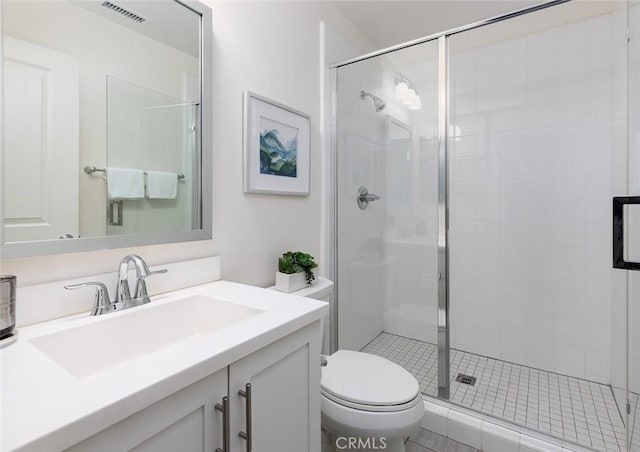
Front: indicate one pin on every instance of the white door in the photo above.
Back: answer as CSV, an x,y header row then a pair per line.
x,y
40,142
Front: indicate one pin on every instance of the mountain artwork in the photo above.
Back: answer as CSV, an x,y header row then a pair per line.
x,y
278,148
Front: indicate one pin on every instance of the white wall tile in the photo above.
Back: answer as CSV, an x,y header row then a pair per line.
x,y
489,56
540,44
513,50
540,67
571,62
553,112
570,37
570,359
597,364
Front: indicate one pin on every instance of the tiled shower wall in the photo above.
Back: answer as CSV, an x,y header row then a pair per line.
x,y
536,120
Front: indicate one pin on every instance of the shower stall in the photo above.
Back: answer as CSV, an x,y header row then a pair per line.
x,y
476,171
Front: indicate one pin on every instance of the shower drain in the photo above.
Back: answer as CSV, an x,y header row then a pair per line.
x,y
466,379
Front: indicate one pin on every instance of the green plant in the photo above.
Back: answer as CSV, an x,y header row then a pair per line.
x,y
297,262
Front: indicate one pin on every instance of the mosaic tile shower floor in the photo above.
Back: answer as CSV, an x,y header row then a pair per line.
x,y
577,410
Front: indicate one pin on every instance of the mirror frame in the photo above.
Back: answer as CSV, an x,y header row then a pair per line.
x,y
77,245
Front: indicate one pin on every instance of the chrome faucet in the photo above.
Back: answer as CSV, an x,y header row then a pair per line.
x,y
104,305
123,292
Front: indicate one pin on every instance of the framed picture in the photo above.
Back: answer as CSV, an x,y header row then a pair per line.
x,y
276,148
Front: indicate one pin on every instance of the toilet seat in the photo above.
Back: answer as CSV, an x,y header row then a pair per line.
x,y
369,383
373,408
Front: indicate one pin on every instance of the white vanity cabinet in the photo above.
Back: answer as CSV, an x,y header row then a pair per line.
x,y
280,412
285,395
185,421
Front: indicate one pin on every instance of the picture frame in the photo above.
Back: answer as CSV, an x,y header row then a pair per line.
x,y
276,155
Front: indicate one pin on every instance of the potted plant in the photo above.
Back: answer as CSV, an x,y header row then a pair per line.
x,y
294,271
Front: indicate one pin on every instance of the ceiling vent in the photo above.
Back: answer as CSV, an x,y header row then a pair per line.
x,y
124,12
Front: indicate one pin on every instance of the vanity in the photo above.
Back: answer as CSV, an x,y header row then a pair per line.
x,y
215,367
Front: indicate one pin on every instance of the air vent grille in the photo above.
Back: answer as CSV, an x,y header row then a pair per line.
x,y
126,13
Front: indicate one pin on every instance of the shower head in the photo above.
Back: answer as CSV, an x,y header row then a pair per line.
x,y
378,103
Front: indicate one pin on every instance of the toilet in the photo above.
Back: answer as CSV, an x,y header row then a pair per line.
x,y
368,403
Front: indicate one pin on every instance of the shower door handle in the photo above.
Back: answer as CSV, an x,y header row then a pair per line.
x,y
618,232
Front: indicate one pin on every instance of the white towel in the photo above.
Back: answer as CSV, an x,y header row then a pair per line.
x,y
124,183
162,185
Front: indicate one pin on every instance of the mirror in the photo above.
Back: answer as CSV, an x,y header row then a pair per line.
x,y
103,108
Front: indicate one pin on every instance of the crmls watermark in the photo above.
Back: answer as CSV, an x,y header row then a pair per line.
x,y
355,443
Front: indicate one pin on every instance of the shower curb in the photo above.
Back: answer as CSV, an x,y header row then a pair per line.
x,y
487,433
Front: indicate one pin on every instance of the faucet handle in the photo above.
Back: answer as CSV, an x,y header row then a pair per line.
x,y
102,302
141,285
157,272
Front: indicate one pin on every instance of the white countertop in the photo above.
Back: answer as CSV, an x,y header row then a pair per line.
x,y
44,407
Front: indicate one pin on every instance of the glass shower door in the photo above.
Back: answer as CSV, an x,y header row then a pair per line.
x,y
536,152
387,200
631,227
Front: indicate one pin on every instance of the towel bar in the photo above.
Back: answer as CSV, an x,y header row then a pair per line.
x,y
93,169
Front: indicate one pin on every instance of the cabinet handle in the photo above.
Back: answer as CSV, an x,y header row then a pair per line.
x,y
226,428
247,396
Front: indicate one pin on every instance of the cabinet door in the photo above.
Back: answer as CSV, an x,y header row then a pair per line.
x,y
186,421
285,395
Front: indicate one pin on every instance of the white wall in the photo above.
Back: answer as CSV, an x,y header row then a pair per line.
x,y
530,193
272,48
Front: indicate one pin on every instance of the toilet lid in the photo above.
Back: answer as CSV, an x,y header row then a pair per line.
x,y
367,379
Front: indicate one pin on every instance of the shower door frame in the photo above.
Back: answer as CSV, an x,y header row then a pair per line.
x,y
443,179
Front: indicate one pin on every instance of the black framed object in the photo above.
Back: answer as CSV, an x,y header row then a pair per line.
x,y
618,232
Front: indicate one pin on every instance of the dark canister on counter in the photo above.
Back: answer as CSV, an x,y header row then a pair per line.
x,y
7,305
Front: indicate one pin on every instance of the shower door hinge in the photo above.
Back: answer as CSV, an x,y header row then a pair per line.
x,y
628,34
628,407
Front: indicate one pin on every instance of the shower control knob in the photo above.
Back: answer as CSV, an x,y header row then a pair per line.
x,y
364,197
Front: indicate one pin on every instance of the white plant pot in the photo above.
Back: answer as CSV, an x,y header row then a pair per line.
x,y
290,283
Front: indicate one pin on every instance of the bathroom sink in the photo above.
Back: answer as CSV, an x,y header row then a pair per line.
x,y
116,338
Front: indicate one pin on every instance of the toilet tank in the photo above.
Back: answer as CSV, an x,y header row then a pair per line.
x,y
321,289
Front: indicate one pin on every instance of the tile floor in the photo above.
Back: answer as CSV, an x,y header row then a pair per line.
x,y
570,408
